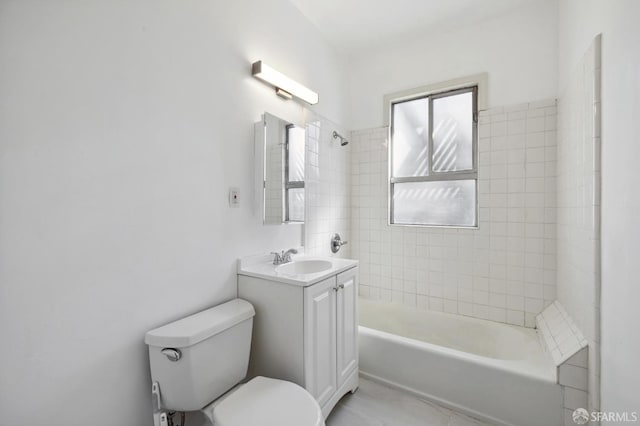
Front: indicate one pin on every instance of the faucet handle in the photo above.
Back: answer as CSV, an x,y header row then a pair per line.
x,y
277,258
337,242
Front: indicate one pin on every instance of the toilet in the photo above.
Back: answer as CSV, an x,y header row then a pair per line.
x,y
198,364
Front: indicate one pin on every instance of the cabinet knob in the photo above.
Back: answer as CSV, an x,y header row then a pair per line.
x,y
341,286
335,288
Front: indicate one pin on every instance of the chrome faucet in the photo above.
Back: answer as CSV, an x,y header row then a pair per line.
x,y
284,257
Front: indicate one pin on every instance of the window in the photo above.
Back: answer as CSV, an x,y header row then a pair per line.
x,y
294,174
433,167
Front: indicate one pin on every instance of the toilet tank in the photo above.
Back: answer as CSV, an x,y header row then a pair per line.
x,y
198,358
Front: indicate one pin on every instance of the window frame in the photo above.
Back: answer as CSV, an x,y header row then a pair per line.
x,y
436,176
289,184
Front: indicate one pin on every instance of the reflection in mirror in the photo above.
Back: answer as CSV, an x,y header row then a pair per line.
x,y
294,174
280,146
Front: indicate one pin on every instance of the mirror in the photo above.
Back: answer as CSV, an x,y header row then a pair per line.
x,y
280,166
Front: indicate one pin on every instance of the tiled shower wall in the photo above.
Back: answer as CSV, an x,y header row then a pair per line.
x,y
504,271
327,188
579,206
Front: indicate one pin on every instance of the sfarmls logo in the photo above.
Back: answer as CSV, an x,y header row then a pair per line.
x,y
582,416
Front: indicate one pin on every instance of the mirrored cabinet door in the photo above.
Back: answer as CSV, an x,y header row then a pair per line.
x,y
280,159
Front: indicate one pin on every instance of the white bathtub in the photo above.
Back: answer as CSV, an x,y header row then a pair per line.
x,y
492,371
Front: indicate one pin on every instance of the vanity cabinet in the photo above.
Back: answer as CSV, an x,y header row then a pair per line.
x,y
306,334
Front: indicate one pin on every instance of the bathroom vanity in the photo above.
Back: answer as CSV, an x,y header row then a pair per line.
x,y
305,328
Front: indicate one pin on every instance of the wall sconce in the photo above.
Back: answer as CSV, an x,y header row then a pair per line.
x,y
285,87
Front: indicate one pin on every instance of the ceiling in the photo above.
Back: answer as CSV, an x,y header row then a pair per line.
x,y
352,25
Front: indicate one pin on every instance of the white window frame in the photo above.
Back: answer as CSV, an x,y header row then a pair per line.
x,y
474,84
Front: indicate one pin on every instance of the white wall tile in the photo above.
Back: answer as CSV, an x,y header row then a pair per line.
x,y
572,376
579,359
328,200
578,182
486,272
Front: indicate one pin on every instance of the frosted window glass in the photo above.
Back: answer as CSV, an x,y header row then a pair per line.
x,y
295,137
296,204
453,133
449,202
411,138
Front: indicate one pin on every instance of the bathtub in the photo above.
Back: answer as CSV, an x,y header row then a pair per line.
x,y
494,372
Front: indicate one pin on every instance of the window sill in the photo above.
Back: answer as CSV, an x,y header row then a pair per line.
x,y
476,227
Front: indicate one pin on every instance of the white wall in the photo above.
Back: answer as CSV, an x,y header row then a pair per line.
x,y
579,22
518,50
122,126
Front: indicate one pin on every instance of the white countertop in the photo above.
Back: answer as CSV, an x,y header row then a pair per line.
x,y
262,266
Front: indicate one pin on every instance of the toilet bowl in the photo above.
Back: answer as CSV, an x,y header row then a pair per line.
x,y
198,363
265,402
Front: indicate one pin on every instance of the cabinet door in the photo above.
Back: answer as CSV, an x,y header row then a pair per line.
x,y
347,324
320,339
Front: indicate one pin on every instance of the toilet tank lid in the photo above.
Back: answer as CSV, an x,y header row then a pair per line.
x,y
200,326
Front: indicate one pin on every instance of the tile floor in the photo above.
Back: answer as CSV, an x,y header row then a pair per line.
x,y
375,404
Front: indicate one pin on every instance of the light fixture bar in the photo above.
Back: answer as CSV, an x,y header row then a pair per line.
x,y
280,81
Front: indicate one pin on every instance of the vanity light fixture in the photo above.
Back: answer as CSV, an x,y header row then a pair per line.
x,y
285,86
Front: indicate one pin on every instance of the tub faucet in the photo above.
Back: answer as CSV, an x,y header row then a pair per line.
x,y
284,257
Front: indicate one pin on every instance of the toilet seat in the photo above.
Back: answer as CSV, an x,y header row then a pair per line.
x,y
268,402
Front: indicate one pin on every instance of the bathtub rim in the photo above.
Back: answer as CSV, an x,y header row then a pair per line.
x,y
493,363
528,333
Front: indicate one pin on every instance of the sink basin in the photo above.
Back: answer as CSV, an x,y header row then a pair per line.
x,y
303,271
303,267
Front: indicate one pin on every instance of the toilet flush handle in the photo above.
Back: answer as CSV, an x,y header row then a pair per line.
x,y
172,354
